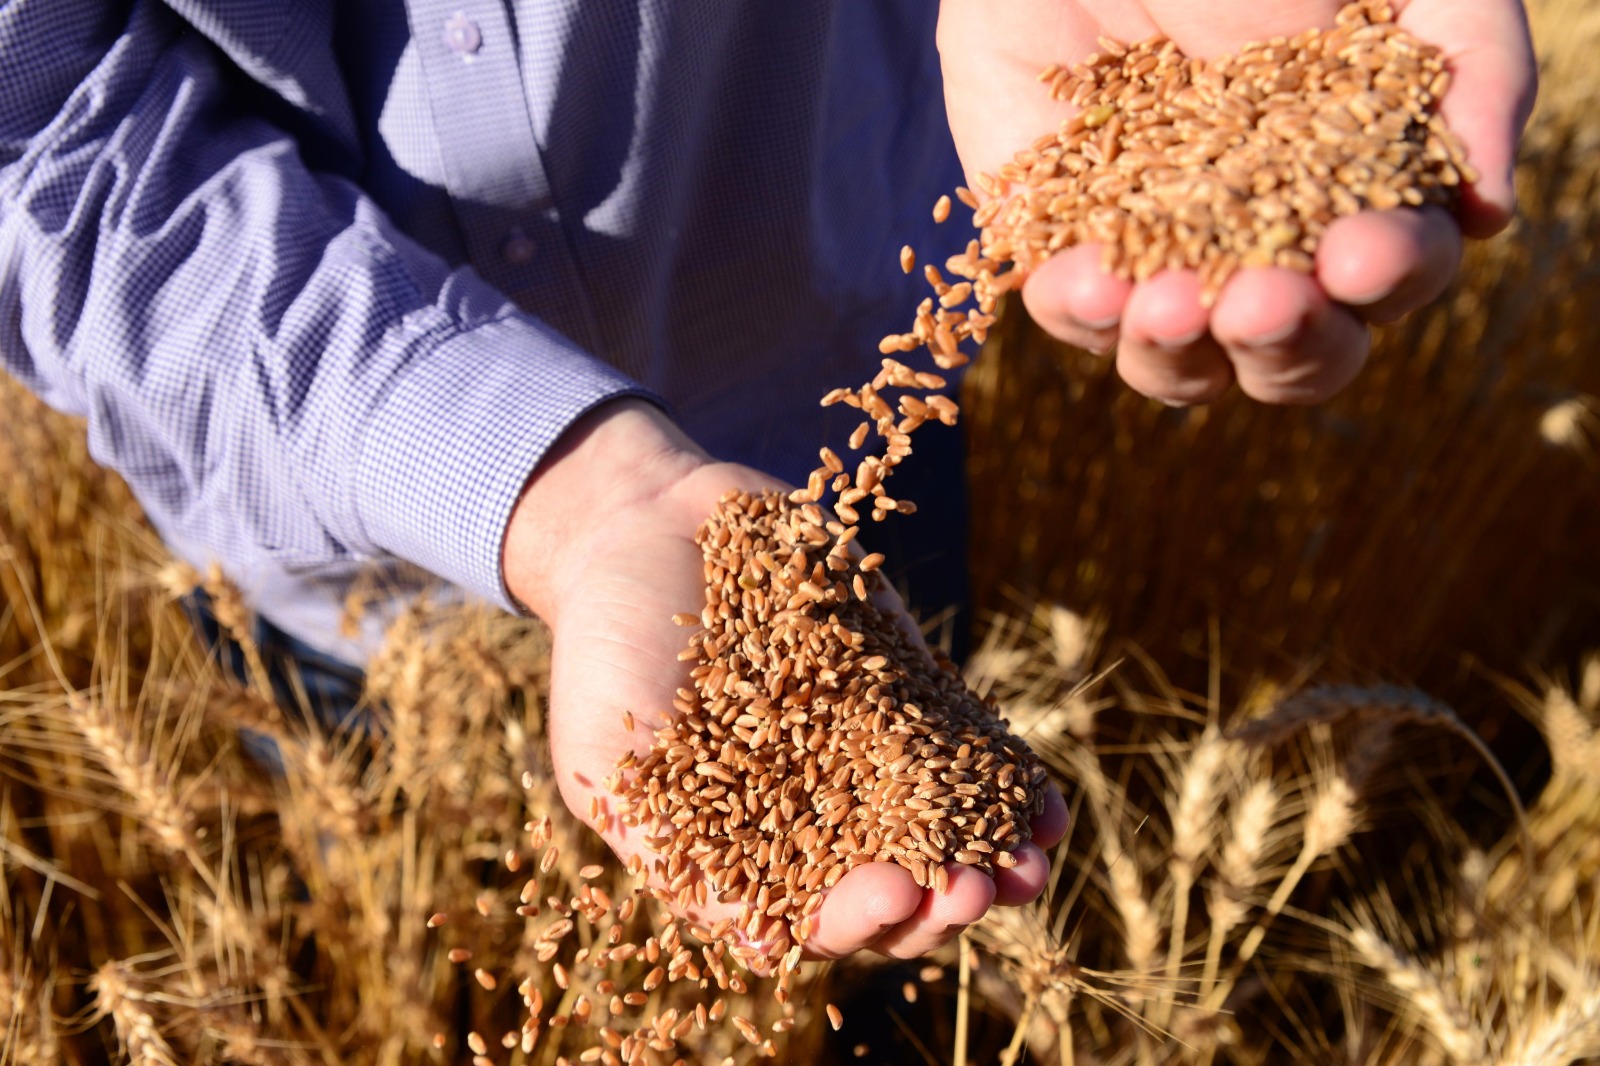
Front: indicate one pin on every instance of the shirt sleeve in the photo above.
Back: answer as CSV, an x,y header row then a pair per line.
x,y
273,367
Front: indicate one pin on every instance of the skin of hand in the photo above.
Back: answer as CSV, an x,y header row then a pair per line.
x,y
601,546
1284,337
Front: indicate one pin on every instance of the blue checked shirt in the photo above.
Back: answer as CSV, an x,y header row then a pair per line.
x,y
328,279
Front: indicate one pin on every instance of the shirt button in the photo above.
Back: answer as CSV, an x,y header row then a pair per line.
x,y
518,247
461,34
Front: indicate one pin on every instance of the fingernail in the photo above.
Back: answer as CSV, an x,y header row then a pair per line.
x,y
1276,338
1362,300
1178,343
1096,325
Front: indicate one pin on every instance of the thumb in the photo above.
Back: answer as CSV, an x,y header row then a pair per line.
x,y
1494,81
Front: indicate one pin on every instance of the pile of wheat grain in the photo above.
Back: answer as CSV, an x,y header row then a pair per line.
x,y
816,734
1173,162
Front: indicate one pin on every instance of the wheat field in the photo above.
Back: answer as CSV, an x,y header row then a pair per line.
x,y
1322,687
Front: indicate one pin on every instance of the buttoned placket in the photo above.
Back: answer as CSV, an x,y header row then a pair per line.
x,y
493,169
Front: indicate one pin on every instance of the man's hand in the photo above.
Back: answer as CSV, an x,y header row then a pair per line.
x,y
1285,337
602,547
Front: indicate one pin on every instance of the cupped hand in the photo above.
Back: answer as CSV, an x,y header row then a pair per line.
x,y
1284,337
622,577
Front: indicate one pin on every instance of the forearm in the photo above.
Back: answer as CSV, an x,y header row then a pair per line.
x,y
272,365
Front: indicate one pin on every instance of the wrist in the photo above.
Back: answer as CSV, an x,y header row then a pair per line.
x,y
622,455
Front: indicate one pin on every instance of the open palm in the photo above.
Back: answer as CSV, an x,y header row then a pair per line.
x,y
616,650
1284,337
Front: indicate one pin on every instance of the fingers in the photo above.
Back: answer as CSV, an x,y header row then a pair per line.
x,y
1075,301
1024,882
1167,352
1494,80
940,916
879,906
1385,264
1276,332
1050,824
1288,343
866,903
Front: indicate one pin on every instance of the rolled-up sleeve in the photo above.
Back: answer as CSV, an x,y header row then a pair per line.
x,y
273,366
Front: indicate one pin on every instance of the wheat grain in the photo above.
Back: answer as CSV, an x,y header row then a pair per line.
x,y
814,736
1242,160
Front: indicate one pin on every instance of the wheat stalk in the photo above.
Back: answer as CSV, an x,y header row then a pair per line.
x,y
1192,811
1568,1035
1329,821
136,1028
1238,869
1424,995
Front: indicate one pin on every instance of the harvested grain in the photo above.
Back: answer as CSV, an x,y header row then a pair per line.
x,y
747,1029
1241,160
833,730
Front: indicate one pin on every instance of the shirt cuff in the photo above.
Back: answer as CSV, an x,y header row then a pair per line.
x,y
447,454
